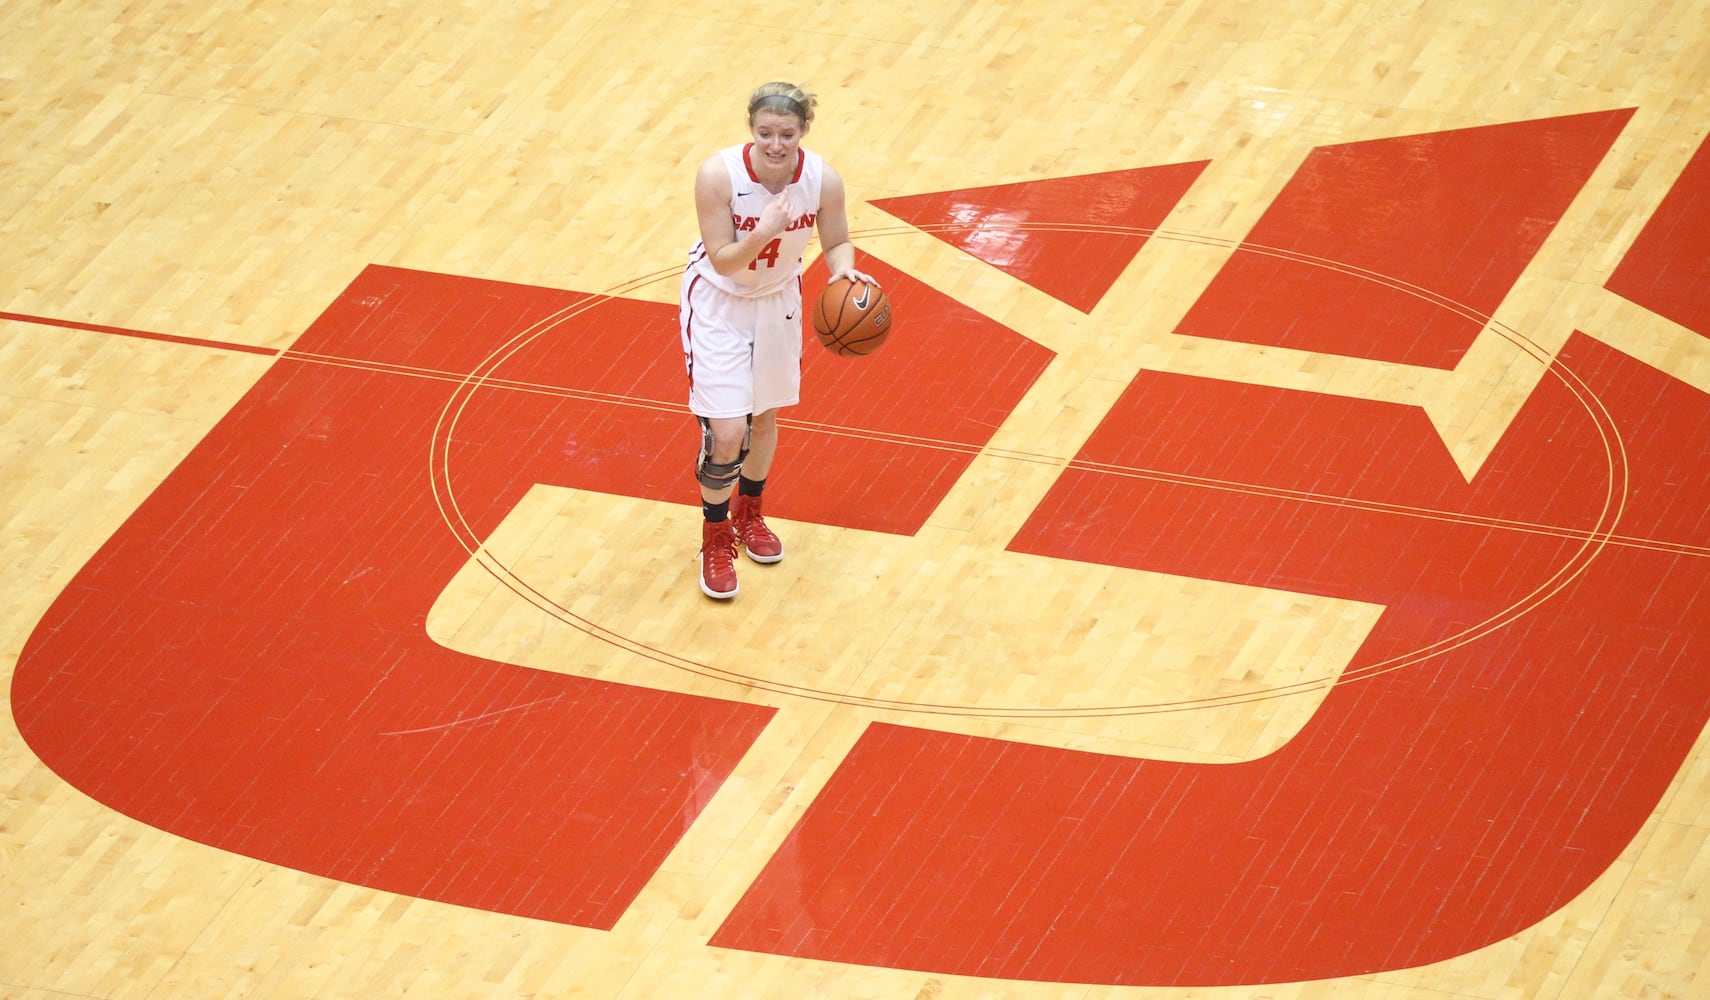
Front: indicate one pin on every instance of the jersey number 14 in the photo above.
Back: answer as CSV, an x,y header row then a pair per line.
x,y
768,253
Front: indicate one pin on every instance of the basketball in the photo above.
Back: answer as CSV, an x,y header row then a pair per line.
x,y
852,318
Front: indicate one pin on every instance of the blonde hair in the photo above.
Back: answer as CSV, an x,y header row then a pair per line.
x,y
784,99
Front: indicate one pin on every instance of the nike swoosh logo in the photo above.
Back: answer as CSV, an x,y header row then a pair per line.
x,y
789,315
866,296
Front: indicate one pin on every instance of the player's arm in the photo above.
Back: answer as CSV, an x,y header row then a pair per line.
x,y
728,253
833,228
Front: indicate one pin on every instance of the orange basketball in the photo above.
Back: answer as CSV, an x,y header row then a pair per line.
x,y
852,318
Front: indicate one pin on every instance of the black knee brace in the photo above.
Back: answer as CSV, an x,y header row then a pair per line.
x,y
720,475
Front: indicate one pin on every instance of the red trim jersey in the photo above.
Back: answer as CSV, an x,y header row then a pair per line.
x,y
780,261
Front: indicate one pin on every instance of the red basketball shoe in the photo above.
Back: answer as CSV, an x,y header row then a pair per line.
x,y
718,559
757,540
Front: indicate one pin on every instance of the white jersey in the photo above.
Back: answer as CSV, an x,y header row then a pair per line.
x,y
780,261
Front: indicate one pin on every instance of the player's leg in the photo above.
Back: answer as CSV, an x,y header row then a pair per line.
x,y
723,447
777,383
758,540
717,352
725,452
762,446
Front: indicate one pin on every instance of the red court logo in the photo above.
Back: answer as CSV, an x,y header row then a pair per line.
x,y
248,663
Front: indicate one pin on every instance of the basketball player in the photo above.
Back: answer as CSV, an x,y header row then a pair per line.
x,y
758,204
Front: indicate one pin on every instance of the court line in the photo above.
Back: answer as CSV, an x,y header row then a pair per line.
x,y
169,338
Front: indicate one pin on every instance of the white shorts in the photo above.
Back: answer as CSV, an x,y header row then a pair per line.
x,y
744,354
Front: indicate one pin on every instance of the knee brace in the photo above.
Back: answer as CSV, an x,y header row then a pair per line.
x,y
720,475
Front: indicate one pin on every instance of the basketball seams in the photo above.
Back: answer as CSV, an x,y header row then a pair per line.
x,y
840,331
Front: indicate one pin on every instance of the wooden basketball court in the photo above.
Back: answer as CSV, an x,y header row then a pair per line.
x,y
1269,559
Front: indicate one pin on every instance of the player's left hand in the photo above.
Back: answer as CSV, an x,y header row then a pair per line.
x,y
854,275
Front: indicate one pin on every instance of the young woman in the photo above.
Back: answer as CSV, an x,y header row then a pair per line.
x,y
758,204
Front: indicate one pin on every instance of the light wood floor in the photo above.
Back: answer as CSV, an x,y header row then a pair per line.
x,y
188,186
